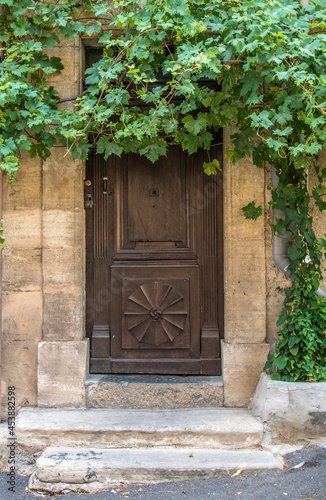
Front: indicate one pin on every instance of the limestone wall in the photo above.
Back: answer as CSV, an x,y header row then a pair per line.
x,y
44,353
22,300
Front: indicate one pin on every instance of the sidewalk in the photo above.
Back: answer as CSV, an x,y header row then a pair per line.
x,y
306,482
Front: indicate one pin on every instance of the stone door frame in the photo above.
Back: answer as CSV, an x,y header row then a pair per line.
x,y
63,350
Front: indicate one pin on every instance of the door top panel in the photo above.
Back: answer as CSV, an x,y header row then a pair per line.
x,y
154,201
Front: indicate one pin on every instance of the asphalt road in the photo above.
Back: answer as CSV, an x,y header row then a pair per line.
x,y
307,482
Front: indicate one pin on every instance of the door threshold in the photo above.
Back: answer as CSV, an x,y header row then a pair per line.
x,y
154,391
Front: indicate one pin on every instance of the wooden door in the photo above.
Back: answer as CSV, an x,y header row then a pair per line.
x,y
154,264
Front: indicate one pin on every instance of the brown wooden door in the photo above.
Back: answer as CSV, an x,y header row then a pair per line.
x,y
154,264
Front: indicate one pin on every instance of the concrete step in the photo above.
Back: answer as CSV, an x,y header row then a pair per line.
x,y
153,391
87,470
231,428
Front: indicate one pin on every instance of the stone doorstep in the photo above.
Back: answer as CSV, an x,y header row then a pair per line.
x,y
230,428
87,470
153,391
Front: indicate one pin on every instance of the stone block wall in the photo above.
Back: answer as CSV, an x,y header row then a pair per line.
x,y
22,300
244,349
44,352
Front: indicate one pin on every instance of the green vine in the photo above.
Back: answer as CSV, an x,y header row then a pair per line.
x,y
267,61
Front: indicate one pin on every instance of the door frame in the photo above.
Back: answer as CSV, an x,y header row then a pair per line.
x,y
100,333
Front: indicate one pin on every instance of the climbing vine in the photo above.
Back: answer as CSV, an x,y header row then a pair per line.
x,y
173,72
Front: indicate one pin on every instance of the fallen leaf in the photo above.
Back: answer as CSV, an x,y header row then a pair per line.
x,y
184,491
126,493
284,465
237,473
298,465
140,489
113,491
120,489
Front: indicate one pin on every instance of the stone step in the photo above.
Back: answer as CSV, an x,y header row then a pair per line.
x,y
232,428
87,470
153,391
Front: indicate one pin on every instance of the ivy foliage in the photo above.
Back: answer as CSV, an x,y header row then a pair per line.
x,y
173,72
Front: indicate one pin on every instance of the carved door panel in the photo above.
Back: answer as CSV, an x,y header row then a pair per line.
x,y
154,264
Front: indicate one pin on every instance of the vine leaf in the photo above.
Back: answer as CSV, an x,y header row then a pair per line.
x,y
281,362
252,212
294,253
211,167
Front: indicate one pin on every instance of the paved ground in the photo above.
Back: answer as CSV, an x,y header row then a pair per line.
x,y
307,482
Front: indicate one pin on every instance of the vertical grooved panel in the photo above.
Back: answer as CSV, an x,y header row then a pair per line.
x,y
211,239
100,209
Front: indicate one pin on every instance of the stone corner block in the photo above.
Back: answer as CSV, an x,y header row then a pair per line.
x,y
62,370
293,411
242,365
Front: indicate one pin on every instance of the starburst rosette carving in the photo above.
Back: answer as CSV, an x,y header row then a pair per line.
x,y
156,313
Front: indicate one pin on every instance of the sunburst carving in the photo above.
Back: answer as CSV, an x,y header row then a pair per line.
x,y
156,313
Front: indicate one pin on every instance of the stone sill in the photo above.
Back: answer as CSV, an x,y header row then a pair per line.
x,y
153,379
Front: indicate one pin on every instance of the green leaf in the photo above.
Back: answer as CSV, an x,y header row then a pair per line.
x,y
294,253
211,167
252,212
281,362
293,340
80,150
154,150
281,320
294,350
104,145
190,143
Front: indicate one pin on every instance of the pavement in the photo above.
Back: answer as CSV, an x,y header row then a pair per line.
x,y
302,478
